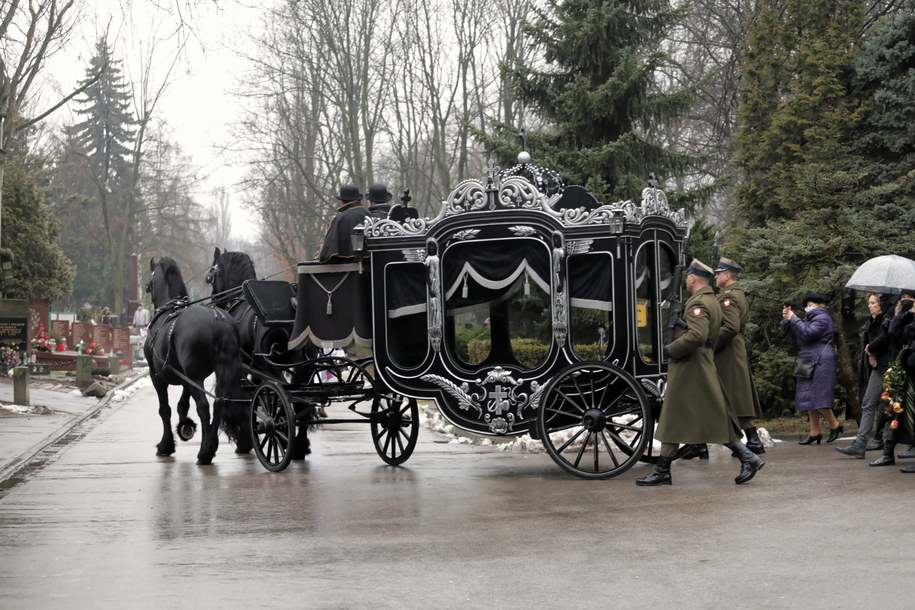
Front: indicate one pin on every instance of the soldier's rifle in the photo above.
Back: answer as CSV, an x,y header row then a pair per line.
x,y
675,313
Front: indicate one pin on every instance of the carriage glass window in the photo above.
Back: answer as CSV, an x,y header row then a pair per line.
x,y
666,262
405,302
653,278
497,302
646,328
591,303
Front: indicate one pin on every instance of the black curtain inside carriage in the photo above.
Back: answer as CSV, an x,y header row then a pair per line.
x,y
478,272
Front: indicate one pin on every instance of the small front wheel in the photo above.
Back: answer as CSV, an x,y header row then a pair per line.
x,y
395,427
272,426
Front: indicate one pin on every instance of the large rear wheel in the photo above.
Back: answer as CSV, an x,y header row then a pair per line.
x,y
272,426
594,420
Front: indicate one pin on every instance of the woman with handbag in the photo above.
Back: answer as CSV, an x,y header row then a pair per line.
x,y
815,368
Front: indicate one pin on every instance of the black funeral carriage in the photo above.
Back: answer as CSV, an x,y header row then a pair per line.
x,y
524,307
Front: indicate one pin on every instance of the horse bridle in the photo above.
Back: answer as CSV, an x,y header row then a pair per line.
x,y
212,272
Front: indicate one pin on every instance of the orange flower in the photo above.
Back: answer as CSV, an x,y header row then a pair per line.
x,y
894,424
897,408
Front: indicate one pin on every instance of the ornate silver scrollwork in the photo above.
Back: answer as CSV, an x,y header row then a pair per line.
x,y
579,246
560,313
466,234
414,255
383,227
465,399
433,277
522,230
516,192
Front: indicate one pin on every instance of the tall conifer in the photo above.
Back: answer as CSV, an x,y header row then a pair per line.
x,y
598,94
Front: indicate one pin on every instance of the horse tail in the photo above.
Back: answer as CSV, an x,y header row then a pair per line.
x,y
228,369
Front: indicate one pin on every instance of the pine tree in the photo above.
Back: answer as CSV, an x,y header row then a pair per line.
x,y
795,98
598,95
41,270
103,140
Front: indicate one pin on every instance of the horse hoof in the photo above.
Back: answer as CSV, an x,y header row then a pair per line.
x,y
164,452
186,431
204,461
243,450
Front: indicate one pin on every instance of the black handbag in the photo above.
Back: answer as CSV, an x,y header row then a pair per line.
x,y
805,368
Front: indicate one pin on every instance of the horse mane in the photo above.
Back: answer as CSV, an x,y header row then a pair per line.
x,y
237,267
173,280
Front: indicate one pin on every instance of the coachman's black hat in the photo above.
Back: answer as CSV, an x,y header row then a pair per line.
x,y
349,192
378,193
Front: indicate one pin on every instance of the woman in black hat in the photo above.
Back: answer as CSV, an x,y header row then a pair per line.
x,y
814,336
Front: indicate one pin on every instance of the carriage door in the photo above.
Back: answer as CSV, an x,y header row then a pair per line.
x,y
653,273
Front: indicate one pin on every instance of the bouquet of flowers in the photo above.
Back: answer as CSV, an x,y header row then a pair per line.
x,y
894,393
8,357
41,342
91,348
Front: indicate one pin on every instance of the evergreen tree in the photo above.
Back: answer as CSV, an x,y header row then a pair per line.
x,y
883,73
598,95
795,98
103,141
40,270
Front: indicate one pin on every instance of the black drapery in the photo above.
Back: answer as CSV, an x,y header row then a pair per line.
x,y
590,281
477,272
334,306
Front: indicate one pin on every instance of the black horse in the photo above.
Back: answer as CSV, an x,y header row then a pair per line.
x,y
186,344
227,274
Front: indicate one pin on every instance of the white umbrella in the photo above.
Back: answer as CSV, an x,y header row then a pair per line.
x,y
888,274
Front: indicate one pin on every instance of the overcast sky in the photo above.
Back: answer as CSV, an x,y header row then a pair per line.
x,y
199,104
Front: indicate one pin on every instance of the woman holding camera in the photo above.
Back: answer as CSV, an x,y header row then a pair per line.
x,y
814,336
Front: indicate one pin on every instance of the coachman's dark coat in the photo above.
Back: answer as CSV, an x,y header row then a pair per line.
x,y
338,245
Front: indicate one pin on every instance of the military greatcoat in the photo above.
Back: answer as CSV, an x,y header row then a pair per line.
x,y
695,409
731,353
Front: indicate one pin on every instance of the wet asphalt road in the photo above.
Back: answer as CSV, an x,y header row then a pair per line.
x,y
104,523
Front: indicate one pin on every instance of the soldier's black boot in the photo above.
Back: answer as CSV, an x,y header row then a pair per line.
x,y
889,455
754,444
750,463
659,476
696,451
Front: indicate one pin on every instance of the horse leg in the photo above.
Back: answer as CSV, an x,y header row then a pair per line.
x,y
186,426
166,446
301,444
210,441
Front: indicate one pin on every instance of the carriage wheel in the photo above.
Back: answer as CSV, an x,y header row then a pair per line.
x,y
394,432
594,420
272,426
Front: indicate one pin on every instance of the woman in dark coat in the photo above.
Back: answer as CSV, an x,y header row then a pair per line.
x,y
814,336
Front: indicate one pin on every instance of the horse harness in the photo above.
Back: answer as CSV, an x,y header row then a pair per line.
x,y
171,311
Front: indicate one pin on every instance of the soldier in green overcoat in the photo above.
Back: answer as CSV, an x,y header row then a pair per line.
x,y
695,409
731,352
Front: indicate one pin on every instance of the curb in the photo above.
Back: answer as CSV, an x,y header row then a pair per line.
x,y
24,459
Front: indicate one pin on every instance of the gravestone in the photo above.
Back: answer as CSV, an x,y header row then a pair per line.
x,y
82,331
120,342
14,323
101,334
62,328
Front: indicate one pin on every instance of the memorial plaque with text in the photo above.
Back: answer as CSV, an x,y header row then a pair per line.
x,y
14,332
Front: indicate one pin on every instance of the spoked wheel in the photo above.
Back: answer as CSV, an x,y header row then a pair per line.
x,y
594,420
272,426
394,431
